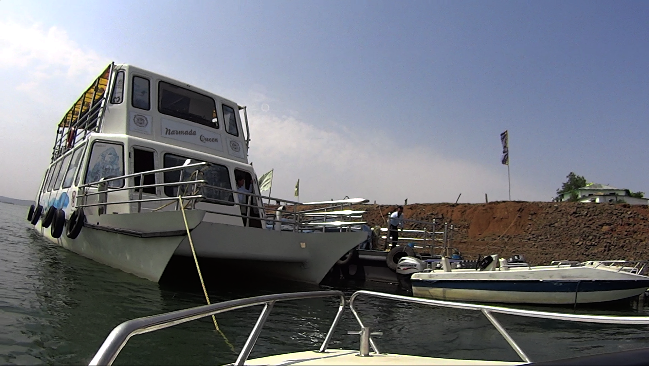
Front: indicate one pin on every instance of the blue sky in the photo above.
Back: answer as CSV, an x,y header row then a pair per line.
x,y
384,100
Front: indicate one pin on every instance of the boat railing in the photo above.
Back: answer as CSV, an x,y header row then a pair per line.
x,y
121,334
638,267
118,338
192,191
84,117
489,311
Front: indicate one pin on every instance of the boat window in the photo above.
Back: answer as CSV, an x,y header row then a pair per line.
x,y
55,173
69,175
230,120
106,161
48,176
141,92
217,176
143,161
187,104
118,88
64,169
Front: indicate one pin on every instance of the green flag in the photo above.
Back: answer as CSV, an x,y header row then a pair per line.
x,y
266,181
297,188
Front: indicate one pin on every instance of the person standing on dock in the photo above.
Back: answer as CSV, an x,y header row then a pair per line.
x,y
396,223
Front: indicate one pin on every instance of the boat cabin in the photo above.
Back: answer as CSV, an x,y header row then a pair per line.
x,y
135,135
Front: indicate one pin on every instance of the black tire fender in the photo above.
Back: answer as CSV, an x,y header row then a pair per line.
x,y
58,224
347,258
49,216
398,253
37,214
75,224
30,214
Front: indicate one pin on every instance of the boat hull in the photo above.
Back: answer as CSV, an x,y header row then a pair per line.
x,y
144,243
550,286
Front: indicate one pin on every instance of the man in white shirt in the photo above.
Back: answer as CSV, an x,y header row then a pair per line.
x,y
396,223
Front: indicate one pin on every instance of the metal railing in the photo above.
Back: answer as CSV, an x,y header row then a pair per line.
x,y
285,212
427,238
489,311
120,335
118,338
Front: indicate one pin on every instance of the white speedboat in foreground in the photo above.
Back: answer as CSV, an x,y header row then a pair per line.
x,y
145,168
368,352
496,282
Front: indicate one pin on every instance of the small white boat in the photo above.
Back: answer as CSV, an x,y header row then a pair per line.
x,y
369,352
494,281
145,168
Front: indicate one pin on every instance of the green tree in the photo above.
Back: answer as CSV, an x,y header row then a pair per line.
x,y
636,194
573,183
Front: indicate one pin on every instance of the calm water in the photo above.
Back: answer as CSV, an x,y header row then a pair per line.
x,y
57,307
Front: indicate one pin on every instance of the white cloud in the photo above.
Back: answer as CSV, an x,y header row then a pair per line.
x,y
44,54
332,164
43,72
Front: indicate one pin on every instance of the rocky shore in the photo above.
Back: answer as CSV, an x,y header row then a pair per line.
x,y
541,231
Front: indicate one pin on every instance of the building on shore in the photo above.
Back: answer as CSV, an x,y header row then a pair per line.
x,y
602,193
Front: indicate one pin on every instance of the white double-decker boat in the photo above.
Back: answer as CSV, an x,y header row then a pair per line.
x,y
145,168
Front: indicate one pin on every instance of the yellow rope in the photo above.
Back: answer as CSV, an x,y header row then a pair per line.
x,y
191,244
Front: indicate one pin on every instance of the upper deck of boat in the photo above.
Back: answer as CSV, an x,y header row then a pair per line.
x,y
126,100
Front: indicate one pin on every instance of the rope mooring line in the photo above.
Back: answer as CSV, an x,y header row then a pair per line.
x,y
200,275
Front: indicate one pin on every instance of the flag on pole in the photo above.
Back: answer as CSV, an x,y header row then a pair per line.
x,y
266,181
504,138
297,188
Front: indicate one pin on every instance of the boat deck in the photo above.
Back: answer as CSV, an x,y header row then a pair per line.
x,y
349,357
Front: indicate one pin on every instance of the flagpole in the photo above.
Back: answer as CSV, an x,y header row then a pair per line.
x,y
510,183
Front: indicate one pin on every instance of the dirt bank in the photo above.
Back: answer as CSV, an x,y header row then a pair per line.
x,y
542,231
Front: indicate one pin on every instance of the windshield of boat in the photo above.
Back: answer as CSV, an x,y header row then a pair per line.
x,y
217,176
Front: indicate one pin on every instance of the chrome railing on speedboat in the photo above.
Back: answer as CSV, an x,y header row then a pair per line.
x,y
122,333
118,338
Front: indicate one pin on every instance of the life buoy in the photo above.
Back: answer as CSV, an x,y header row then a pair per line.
x,y
58,223
347,258
30,214
398,253
49,217
77,219
37,214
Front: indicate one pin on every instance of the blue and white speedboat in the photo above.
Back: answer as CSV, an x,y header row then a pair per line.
x,y
496,282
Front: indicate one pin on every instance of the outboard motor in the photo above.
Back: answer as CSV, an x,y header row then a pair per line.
x,y
410,265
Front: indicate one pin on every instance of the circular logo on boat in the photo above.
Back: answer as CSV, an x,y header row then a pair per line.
x,y
140,120
235,146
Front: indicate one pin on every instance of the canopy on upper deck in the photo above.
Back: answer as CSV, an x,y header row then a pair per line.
x,y
93,94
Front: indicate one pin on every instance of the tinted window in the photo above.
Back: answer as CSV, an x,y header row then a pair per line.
x,y
230,121
118,89
140,98
215,175
186,104
55,173
48,176
106,161
69,175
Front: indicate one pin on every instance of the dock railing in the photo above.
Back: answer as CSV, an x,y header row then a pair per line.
x,y
434,237
121,334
